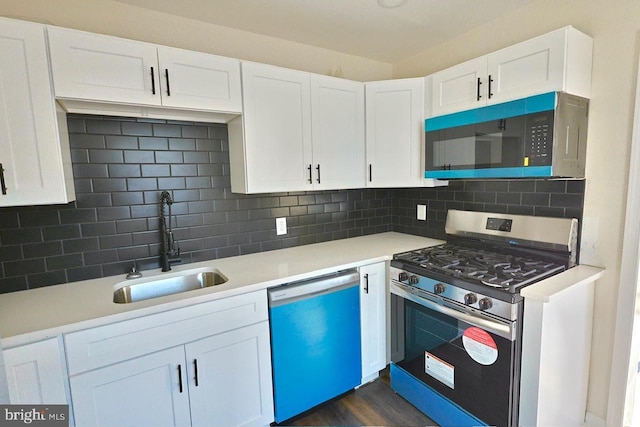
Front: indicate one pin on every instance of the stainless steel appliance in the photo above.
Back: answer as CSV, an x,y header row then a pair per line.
x,y
539,136
457,313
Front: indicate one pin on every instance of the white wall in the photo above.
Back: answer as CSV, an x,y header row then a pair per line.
x,y
615,27
122,20
4,388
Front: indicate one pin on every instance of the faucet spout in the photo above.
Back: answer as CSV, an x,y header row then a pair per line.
x,y
169,250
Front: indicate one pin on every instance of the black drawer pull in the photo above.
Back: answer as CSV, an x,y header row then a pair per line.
x,y
195,370
2,183
366,283
490,81
318,169
153,82
166,75
478,96
180,377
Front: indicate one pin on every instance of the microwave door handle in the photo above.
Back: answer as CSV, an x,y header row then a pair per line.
x,y
501,329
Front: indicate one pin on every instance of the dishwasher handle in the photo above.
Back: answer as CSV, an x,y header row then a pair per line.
x,y
298,291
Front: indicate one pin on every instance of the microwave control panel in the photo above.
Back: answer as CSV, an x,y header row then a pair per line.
x,y
539,139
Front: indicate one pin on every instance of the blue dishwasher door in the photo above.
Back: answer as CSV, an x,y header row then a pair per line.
x,y
315,346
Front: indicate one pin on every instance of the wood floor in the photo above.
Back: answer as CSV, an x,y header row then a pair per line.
x,y
374,404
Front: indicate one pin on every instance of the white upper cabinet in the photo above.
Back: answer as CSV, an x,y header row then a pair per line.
x,y
298,132
93,67
394,132
556,61
96,67
198,80
35,161
459,88
337,123
270,145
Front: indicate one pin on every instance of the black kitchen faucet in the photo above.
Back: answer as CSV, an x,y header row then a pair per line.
x,y
170,250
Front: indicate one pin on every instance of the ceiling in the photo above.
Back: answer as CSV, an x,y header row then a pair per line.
x,y
356,27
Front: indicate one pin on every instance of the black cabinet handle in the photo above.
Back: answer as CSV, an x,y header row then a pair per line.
x,y
2,183
478,96
318,169
180,377
370,174
195,370
166,75
366,283
310,177
153,82
490,81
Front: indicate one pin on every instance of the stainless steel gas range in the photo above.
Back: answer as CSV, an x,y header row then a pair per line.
x,y
457,313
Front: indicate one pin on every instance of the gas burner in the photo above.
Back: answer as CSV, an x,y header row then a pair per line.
x,y
488,267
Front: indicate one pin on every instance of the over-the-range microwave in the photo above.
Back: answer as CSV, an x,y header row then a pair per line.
x,y
540,136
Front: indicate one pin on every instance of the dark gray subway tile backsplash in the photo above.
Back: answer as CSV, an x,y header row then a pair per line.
x,y
120,166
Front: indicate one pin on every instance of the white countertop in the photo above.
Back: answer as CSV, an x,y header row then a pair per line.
x,y
545,290
36,314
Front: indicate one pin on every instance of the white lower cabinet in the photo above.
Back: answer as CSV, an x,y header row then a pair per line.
x,y
144,391
204,365
232,385
36,373
373,309
224,380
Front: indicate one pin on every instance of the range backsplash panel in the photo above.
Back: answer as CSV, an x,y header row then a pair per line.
x,y
122,164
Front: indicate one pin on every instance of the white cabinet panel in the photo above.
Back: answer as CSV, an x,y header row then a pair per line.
x,y
102,69
459,88
35,373
34,146
534,66
394,132
373,309
270,147
97,67
556,61
200,81
147,391
337,107
232,386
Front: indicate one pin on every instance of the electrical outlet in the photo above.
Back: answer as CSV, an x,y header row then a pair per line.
x,y
281,226
422,212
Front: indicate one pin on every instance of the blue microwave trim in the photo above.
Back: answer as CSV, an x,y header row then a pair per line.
x,y
516,172
519,107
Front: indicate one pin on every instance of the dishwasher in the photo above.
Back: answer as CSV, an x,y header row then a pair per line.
x,y
315,341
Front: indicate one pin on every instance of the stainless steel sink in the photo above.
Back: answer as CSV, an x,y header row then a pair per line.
x,y
173,283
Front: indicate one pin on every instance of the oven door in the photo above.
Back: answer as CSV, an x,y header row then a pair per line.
x,y
470,361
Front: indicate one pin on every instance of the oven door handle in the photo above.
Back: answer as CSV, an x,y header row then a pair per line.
x,y
498,328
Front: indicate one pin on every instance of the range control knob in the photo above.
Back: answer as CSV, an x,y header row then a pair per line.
x,y
485,304
413,280
403,277
470,298
438,288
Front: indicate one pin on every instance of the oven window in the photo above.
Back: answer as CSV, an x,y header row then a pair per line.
x,y
469,365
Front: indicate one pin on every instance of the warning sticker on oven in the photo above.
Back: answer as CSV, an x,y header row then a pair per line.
x,y
480,346
438,369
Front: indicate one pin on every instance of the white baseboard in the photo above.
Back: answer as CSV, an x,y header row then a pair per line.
x,y
593,421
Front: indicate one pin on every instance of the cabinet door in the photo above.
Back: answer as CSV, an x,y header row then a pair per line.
x,y
35,373
199,81
32,154
459,88
337,108
101,68
527,68
147,391
230,378
373,313
394,132
277,127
